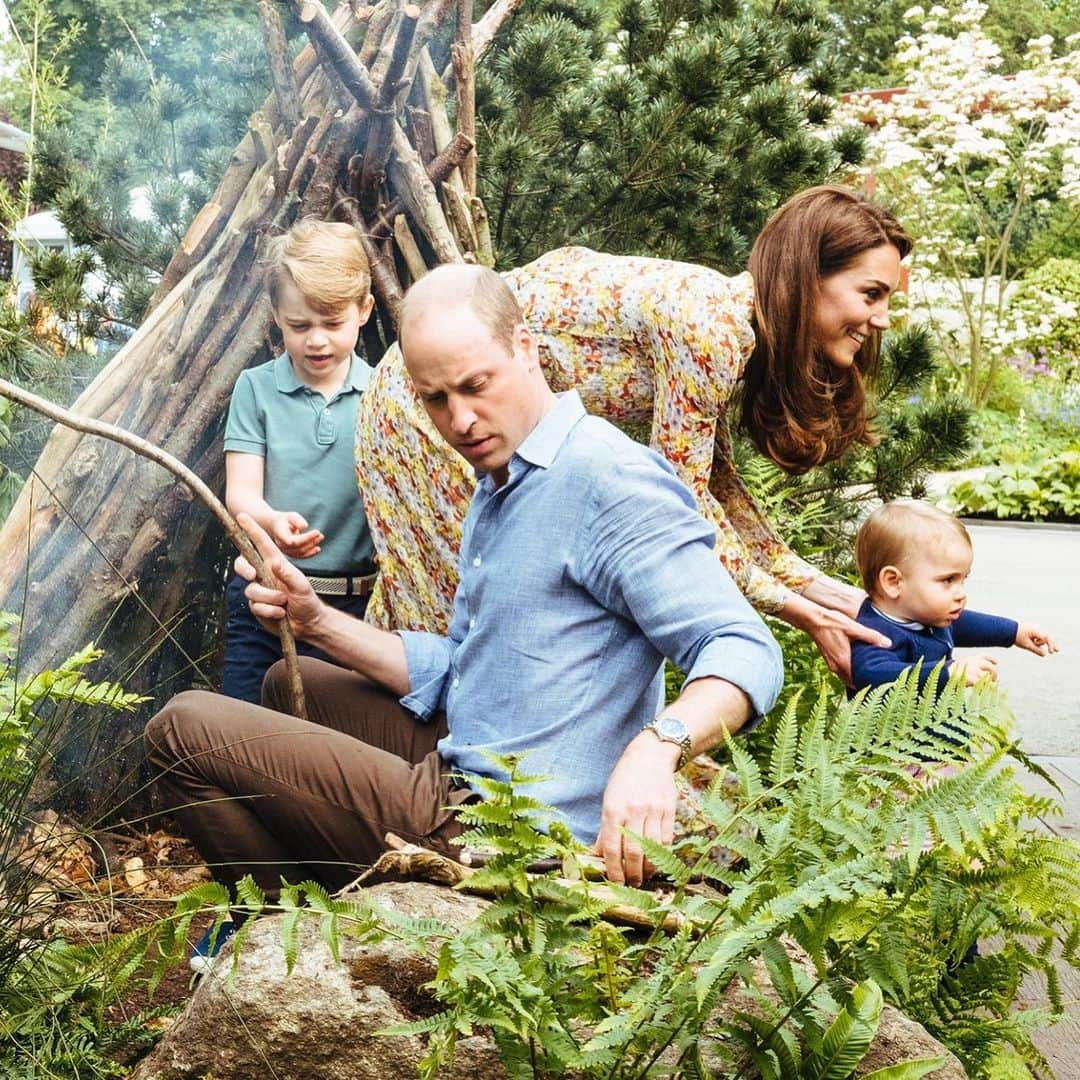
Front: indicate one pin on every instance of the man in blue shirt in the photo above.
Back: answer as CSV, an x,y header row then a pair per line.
x,y
584,563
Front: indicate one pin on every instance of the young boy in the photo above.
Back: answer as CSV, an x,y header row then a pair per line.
x,y
914,561
289,438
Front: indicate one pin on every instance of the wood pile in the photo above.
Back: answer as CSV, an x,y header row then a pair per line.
x,y
105,546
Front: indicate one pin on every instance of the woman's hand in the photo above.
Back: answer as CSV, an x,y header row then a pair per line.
x,y
837,595
832,631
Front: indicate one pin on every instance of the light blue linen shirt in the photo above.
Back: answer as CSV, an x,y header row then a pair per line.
x,y
578,576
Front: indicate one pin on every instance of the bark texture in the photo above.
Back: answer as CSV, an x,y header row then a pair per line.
x,y
103,545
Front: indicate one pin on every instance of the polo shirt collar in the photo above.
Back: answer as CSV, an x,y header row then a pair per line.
x,y
287,383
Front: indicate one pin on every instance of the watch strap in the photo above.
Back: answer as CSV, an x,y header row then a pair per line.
x,y
684,742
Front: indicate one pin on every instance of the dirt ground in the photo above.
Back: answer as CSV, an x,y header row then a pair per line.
x,y
91,888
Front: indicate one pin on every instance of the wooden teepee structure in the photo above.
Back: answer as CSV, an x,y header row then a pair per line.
x,y
106,546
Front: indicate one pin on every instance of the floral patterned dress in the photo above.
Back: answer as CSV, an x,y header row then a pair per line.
x,y
644,340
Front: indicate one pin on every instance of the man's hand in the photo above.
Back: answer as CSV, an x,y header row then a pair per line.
x,y
290,532
640,797
1035,640
293,593
974,668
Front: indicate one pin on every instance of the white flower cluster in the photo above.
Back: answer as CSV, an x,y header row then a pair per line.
x,y
958,113
962,152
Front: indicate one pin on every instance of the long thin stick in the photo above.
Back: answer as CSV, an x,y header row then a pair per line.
x,y
147,449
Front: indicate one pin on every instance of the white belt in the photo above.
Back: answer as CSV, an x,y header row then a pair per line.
x,y
352,585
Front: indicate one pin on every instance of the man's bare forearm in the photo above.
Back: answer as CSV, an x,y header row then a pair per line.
x,y
376,654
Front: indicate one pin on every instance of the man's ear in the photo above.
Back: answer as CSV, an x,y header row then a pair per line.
x,y
525,346
365,308
889,581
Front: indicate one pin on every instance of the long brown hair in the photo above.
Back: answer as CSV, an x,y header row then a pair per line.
x,y
799,409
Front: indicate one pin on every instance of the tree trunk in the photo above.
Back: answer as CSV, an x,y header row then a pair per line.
x,y
103,545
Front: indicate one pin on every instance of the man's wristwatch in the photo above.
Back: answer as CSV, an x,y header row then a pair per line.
x,y
671,729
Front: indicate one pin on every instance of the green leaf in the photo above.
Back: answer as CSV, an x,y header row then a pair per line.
x,y
907,1070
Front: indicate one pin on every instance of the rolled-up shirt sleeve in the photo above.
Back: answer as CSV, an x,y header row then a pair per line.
x,y
658,570
429,658
430,661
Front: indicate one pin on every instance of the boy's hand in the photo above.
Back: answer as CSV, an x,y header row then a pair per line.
x,y
292,593
1035,640
290,532
974,668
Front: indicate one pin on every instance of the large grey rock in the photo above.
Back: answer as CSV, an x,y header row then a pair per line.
x,y
319,1023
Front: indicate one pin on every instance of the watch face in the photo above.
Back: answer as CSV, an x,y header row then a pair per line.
x,y
671,728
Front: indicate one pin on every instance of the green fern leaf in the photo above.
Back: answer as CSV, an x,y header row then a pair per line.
x,y
782,760
907,1070
848,1036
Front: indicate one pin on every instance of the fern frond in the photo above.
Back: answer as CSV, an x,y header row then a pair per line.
x,y
848,1037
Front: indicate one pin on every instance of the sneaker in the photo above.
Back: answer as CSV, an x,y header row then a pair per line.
x,y
203,954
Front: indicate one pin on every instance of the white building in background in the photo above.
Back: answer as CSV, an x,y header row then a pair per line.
x,y
35,233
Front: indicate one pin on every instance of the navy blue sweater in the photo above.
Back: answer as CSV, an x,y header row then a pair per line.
x,y
875,666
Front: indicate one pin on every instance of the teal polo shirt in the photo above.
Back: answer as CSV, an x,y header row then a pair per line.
x,y
307,446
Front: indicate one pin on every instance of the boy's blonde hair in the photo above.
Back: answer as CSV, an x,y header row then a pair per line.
x,y
893,531
325,260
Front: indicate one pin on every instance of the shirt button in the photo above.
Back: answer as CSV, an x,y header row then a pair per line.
x,y
454,684
476,561
472,622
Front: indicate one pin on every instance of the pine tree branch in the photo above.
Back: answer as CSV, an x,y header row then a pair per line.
x,y
144,448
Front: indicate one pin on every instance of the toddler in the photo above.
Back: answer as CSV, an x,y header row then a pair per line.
x,y
914,561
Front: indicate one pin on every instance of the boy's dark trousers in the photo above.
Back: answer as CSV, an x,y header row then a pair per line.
x,y
250,650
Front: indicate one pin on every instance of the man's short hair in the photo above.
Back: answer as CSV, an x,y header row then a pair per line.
x,y
893,532
477,289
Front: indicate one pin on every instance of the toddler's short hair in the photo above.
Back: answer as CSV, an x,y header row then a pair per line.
x,y
325,260
888,536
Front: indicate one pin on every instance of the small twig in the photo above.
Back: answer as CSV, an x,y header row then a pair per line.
x,y
147,449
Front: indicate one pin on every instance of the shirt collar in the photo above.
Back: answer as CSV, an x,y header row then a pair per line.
x,y
286,381
911,624
542,444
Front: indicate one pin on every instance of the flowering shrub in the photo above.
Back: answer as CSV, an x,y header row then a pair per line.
x,y
972,158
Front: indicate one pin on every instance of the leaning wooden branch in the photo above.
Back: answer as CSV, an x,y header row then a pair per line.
x,y
331,47
281,67
146,449
380,135
463,59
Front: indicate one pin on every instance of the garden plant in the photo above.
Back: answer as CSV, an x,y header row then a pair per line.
x,y
882,838
883,868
